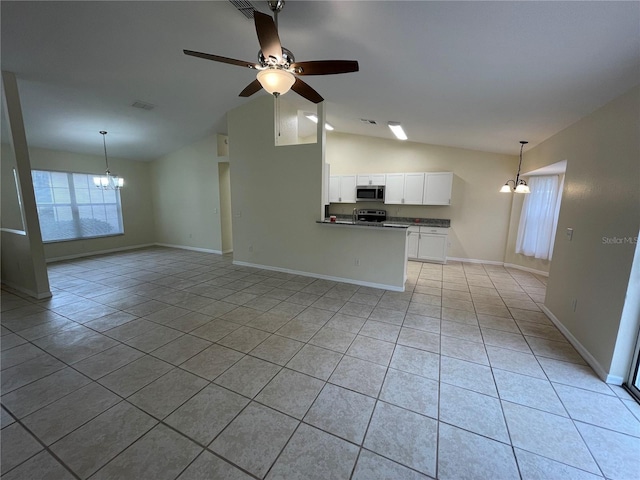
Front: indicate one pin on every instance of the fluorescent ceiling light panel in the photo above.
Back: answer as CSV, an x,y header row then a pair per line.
x,y
314,119
397,130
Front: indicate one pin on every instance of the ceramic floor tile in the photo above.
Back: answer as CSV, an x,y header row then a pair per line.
x,y
277,349
5,418
347,323
616,453
290,392
130,329
473,411
460,316
502,339
215,330
418,362
461,330
244,339
42,465
17,446
465,455
189,322
135,375
269,322
20,354
167,393
28,399
410,337
463,350
207,413
529,391
95,443
498,323
356,310
208,466
471,376
212,361
394,317
248,376
66,414
315,361
341,412
372,350
412,392
333,339
420,322
153,339
514,361
27,372
535,467
548,435
161,454
241,315
602,410
380,330
371,466
403,436
433,311
181,349
314,455
255,438
359,375
575,375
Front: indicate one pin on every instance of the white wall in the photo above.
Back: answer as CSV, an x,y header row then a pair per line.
x,y
601,199
186,197
137,209
479,213
276,198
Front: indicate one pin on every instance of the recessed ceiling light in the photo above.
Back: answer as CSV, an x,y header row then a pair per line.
x,y
314,118
397,130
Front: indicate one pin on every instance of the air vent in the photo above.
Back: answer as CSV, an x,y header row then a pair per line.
x,y
243,7
370,122
143,105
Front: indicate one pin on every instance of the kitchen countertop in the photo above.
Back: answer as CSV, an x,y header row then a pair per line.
x,y
396,222
349,223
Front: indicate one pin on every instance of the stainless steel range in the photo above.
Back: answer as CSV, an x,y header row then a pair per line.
x,y
371,216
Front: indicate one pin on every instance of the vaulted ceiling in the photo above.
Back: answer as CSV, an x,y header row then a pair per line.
x,y
477,75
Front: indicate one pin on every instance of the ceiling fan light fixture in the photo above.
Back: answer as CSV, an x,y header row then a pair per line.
x,y
397,130
276,81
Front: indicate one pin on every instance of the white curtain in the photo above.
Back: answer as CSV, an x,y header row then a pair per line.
x,y
539,217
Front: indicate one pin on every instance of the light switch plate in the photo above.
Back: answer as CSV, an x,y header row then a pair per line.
x,y
569,234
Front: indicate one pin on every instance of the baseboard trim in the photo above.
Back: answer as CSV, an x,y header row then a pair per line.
x,y
593,363
317,275
186,247
527,269
99,252
26,291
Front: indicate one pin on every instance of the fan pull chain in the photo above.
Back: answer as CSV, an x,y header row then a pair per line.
x,y
277,100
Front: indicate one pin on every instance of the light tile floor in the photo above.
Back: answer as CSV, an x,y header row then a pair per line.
x,y
164,364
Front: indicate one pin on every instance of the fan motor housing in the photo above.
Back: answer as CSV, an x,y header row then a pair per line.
x,y
287,58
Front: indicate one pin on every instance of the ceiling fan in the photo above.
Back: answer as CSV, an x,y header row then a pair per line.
x,y
277,69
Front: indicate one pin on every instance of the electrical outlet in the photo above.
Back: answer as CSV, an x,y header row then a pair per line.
x,y
357,262
251,248
569,234
215,210
574,304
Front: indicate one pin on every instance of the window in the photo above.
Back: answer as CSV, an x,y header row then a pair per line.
x,y
71,207
539,217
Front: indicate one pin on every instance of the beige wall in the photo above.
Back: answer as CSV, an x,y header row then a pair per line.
x,y
601,199
276,198
224,173
479,213
137,209
186,197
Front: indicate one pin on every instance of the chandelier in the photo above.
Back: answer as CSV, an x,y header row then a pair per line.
x,y
108,181
519,185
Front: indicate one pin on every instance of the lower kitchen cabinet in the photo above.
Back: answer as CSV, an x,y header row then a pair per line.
x,y
427,244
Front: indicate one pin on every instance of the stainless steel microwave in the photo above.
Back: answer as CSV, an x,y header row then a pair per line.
x,y
370,193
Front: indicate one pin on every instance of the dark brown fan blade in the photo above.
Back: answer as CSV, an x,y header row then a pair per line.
x,y
325,67
306,91
268,36
250,89
217,58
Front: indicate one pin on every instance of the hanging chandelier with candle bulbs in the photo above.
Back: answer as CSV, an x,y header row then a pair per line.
x,y
108,181
519,185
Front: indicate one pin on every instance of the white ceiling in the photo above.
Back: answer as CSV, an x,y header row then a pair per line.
x,y
478,75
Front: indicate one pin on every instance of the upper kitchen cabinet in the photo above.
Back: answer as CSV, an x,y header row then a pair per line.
x,y
437,188
342,189
404,188
418,188
370,179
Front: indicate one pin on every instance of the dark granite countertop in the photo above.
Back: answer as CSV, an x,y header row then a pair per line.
x,y
401,221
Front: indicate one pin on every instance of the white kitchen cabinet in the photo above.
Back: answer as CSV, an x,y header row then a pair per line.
x,y
413,235
370,179
437,188
413,188
394,188
427,244
342,189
